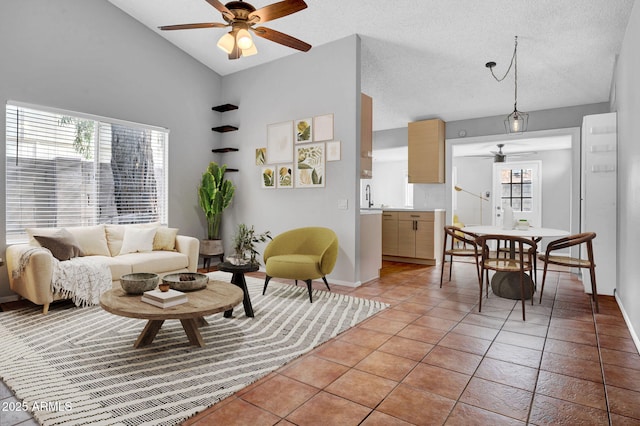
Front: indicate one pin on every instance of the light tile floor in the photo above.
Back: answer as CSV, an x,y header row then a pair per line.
x,y
432,358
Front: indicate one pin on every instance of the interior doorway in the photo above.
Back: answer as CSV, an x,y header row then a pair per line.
x,y
472,159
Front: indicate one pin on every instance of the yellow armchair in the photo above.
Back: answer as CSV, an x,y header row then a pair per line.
x,y
301,254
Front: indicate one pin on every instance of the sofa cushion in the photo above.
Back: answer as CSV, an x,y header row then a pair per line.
x,y
137,239
117,266
165,238
62,244
115,235
92,240
294,266
155,261
47,232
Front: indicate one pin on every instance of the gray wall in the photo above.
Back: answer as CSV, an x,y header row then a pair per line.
x,y
625,95
322,81
89,56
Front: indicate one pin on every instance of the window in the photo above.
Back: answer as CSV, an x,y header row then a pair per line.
x,y
516,189
70,169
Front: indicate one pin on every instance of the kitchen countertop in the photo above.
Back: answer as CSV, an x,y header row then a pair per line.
x,y
378,210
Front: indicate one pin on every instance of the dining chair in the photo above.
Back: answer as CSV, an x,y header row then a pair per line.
x,y
462,244
573,262
522,262
506,251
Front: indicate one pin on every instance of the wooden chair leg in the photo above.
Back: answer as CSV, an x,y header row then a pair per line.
x,y
522,292
481,283
450,266
544,277
442,269
594,288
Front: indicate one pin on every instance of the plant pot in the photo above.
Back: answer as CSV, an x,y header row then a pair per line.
x,y
237,260
211,247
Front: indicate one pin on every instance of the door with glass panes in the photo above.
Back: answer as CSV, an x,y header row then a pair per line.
x,y
517,184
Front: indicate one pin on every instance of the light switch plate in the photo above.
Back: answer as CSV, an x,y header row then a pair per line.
x,y
343,204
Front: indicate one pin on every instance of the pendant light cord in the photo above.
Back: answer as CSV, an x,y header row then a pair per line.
x,y
514,64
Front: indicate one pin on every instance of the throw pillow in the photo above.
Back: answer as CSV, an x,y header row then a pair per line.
x,y
165,239
137,240
62,245
92,239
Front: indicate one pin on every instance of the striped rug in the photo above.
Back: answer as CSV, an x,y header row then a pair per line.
x,y
77,366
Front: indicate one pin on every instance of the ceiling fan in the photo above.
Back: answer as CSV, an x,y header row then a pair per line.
x,y
499,157
242,17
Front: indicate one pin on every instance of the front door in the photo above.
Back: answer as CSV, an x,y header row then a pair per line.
x,y
517,184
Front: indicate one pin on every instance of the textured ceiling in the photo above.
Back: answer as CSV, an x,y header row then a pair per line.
x,y
425,58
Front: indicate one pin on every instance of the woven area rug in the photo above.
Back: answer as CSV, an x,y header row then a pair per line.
x,y
78,365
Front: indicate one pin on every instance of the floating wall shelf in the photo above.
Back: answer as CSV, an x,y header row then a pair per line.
x,y
224,108
224,129
223,150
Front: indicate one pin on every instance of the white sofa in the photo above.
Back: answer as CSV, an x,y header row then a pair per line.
x,y
170,253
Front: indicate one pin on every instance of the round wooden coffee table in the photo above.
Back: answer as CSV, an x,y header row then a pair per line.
x,y
218,296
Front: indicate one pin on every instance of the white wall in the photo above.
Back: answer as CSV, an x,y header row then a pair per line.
x,y
388,183
625,95
89,56
322,81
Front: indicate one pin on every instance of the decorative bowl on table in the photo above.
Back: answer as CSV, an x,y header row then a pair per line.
x,y
139,282
186,281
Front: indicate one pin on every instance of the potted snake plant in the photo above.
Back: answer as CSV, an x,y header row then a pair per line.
x,y
214,195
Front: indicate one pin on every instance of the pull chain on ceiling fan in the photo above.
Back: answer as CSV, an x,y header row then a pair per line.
x,y
242,17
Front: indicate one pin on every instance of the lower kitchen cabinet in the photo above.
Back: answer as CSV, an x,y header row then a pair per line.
x,y
413,237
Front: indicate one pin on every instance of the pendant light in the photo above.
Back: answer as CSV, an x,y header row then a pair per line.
x,y
517,121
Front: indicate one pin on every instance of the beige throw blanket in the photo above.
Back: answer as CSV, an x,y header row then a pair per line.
x,y
80,279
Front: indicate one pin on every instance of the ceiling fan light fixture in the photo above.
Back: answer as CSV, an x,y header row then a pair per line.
x,y
250,51
243,38
226,43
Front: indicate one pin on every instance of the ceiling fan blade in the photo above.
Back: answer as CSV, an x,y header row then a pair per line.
x,y
193,26
277,10
281,38
221,8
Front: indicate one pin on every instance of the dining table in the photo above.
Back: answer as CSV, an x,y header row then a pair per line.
x,y
507,284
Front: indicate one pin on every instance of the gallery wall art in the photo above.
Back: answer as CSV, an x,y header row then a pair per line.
x,y
297,152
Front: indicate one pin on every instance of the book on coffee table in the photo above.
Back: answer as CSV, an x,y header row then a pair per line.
x,y
164,299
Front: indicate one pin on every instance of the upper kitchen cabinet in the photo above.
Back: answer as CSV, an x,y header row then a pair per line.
x,y
366,137
426,151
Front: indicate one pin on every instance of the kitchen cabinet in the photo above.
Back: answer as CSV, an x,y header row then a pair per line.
x,y
426,151
366,136
390,233
413,236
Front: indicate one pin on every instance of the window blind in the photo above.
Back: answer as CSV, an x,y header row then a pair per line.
x,y
69,169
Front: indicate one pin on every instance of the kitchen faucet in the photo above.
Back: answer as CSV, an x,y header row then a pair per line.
x,y
367,195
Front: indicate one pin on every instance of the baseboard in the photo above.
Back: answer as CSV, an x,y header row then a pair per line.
x,y
7,299
634,335
414,260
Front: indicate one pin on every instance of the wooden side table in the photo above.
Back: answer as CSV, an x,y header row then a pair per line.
x,y
237,279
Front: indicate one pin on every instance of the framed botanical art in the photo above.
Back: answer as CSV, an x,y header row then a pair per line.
x,y
333,151
268,177
280,142
310,165
284,175
261,156
303,130
323,127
